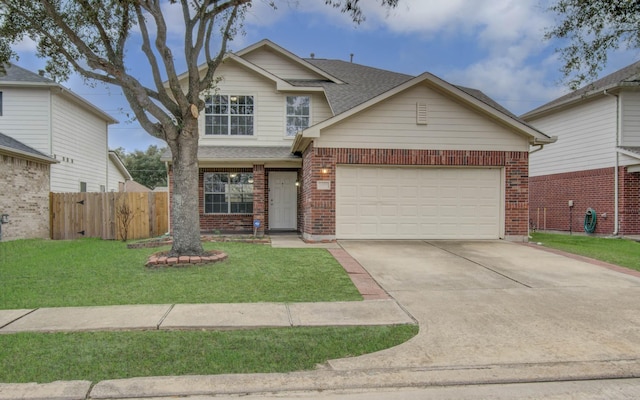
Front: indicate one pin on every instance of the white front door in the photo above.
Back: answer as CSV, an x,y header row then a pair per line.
x,y
283,196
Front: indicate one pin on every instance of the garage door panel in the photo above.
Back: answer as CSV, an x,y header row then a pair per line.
x,y
412,203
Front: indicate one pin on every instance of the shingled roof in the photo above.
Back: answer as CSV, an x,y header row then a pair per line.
x,y
362,83
629,75
11,145
18,74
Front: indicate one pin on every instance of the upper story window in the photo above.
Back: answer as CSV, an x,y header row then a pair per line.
x,y
0,104
298,114
229,115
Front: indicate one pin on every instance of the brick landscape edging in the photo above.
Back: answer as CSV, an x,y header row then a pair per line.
x,y
163,260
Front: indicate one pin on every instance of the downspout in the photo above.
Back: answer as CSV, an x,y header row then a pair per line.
x,y
616,185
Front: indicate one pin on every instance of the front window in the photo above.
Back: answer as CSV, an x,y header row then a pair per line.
x,y
228,193
228,115
298,112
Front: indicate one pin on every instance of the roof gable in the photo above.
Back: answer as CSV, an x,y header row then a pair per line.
x,y
481,104
266,45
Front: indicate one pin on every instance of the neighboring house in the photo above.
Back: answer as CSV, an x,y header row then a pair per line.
x,y
24,179
53,120
133,186
595,163
117,173
337,150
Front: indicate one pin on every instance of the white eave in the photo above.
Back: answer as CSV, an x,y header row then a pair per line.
x,y
113,156
535,137
28,155
601,91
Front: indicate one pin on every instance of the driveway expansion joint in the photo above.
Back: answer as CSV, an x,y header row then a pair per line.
x,y
164,316
19,318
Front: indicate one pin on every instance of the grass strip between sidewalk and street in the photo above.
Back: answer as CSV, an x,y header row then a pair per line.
x,y
96,356
622,252
93,272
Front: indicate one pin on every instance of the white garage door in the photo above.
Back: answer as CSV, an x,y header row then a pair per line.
x,y
418,203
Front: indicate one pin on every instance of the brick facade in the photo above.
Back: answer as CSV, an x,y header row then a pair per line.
x,y
318,206
240,223
25,197
550,195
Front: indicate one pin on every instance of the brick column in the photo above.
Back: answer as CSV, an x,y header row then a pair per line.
x,y
259,197
517,196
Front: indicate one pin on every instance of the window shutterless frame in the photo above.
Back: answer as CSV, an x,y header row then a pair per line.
x,y
229,115
298,114
228,193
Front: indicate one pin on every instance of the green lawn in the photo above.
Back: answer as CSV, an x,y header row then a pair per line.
x,y
96,356
91,272
41,273
625,253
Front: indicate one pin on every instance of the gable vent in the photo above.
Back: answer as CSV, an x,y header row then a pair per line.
x,y
421,113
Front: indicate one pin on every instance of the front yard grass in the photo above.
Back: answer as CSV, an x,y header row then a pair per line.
x,y
96,356
92,272
89,272
622,252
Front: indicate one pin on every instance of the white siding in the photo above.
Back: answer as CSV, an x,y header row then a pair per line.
x,y
586,138
115,177
80,144
450,125
26,116
279,65
269,108
630,118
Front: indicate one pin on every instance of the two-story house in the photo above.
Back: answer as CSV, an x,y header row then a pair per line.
x,y
595,165
337,150
53,120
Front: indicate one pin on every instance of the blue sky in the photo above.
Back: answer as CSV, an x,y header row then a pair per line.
x,y
496,46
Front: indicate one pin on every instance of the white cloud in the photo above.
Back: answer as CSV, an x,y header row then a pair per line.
x,y
519,88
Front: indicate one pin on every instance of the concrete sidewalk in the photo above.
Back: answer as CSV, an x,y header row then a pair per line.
x,y
489,312
203,316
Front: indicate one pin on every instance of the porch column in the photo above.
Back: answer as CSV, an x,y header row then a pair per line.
x,y
259,198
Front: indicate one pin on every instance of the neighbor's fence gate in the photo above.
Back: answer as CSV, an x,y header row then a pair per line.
x,y
77,215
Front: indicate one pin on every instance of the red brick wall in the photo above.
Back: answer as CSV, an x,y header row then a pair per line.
x,y
318,206
629,203
595,189
222,222
259,198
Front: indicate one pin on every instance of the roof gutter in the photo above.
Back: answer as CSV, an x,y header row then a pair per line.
x,y
28,156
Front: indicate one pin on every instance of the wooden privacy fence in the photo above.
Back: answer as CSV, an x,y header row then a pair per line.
x,y
103,215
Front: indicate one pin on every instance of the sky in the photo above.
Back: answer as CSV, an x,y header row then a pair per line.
x,y
496,46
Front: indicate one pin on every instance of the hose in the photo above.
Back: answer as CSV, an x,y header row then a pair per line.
x,y
590,220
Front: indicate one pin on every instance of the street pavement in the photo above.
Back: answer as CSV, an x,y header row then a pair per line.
x,y
491,313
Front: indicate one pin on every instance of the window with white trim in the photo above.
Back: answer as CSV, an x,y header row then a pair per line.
x,y
228,193
298,114
228,115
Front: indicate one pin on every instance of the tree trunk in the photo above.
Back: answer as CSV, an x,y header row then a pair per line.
x,y
185,214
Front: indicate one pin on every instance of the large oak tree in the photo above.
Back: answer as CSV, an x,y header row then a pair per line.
x,y
590,30
94,37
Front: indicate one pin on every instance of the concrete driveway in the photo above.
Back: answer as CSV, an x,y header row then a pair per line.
x,y
509,310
